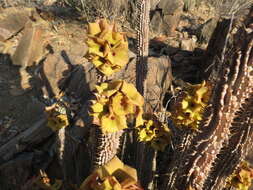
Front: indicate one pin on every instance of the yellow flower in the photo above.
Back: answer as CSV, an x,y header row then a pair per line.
x,y
155,133
114,104
97,107
108,49
242,178
121,105
131,92
146,135
95,49
108,89
56,120
112,176
94,28
190,105
112,123
118,55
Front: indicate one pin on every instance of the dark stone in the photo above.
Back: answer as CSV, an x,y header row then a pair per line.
x,y
170,7
165,18
157,22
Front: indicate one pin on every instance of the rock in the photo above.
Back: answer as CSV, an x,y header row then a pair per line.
x,y
205,31
185,35
157,22
30,47
174,43
25,79
159,76
188,44
49,2
70,42
153,4
54,70
166,17
77,52
170,7
81,82
170,23
189,5
75,43
12,20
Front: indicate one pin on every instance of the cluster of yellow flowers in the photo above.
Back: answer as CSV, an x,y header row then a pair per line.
x,y
115,101
108,49
190,106
242,178
155,133
112,176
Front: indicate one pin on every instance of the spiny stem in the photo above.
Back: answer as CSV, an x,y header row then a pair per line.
x,y
142,45
105,146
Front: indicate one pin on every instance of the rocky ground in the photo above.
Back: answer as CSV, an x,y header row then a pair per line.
x,y
42,52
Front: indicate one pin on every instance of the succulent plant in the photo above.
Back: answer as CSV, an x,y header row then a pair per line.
x,y
108,49
115,101
155,133
56,119
112,176
190,105
242,178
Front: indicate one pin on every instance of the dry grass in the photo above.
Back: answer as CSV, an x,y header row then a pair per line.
x,y
122,11
93,9
226,8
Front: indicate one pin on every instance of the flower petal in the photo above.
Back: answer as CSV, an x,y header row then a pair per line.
x,y
97,63
106,69
121,106
93,28
120,55
57,122
134,96
94,48
110,123
111,88
97,107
